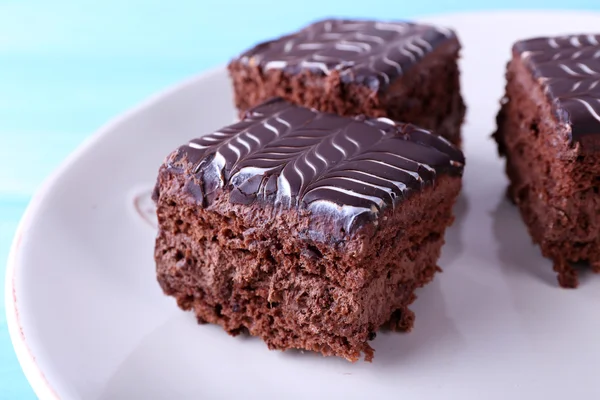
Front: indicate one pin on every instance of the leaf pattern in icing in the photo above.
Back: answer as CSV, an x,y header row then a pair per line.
x,y
291,156
369,52
568,67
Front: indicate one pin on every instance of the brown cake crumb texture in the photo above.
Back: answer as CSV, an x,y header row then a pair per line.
x,y
554,184
252,269
428,95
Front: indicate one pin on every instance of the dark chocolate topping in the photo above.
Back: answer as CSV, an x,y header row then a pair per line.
x,y
366,52
568,67
290,156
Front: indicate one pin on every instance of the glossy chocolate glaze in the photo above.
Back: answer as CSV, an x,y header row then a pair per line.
x,y
568,68
365,52
290,156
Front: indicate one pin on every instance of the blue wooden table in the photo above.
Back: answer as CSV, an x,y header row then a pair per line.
x,y
68,67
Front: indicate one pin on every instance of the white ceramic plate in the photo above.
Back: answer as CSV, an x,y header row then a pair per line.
x,y
89,321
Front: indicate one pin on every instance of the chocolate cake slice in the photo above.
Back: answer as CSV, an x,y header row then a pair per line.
x,y
549,132
307,229
400,70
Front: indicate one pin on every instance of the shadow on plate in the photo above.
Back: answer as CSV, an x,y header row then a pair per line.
x,y
454,246
181,357
516,251
431,327
433,331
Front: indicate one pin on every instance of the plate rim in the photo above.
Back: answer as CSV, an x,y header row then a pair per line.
x,y
34,374
42,388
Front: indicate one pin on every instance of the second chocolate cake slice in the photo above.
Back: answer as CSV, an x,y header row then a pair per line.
x,y
400,70
307,229
549,132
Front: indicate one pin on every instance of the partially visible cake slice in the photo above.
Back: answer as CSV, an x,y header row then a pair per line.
x,y
400,70
307,229
549,132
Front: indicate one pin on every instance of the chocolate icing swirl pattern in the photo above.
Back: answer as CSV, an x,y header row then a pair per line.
x,y
290,156
365,52
568,67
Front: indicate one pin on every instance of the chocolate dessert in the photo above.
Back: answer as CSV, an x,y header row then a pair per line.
x,y
549,132
400,70
307,229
